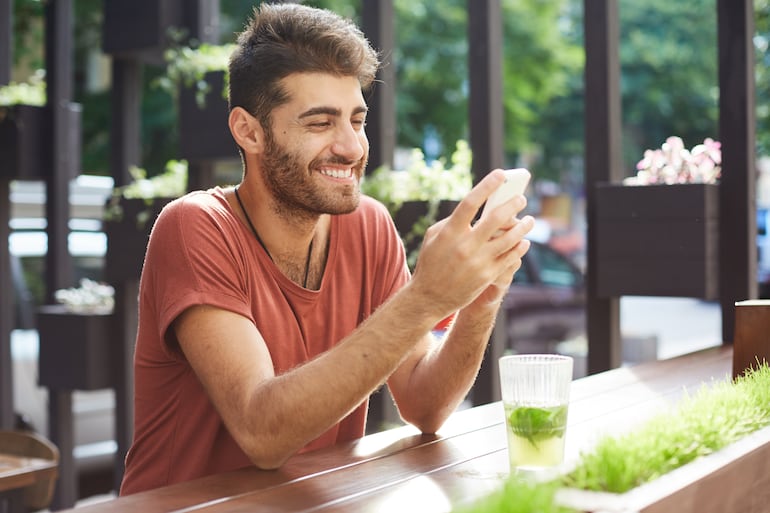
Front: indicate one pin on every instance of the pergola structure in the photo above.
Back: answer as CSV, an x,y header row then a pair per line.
x,y
737,228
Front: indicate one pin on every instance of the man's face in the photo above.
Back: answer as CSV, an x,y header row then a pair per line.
x,y
316,150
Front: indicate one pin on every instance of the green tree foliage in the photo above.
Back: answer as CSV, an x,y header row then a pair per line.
x,y
762,41
431,59
669,77
540,64
669,64
430,55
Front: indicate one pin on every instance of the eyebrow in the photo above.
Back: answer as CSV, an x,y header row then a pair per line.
x,y
315,111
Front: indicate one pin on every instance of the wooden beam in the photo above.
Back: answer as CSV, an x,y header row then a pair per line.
x,y
377,24
737,205
59,78
6,41
485,104
603,163
125,119
201,17
485,100
6,311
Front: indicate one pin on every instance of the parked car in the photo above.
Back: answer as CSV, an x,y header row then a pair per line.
x,y
545,304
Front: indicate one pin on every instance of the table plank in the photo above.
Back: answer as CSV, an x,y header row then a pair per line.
x,y
379,472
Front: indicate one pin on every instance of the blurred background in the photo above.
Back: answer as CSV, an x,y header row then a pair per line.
x,y
669,87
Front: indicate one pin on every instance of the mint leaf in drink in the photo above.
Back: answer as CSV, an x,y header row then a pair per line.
x,y
537,424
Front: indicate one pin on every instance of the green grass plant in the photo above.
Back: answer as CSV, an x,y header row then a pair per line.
x,y
520,495
715,416
709,420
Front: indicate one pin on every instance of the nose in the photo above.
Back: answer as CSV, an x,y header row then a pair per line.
x,y
350,143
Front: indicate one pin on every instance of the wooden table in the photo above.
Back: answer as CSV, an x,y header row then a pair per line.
x,y
17,472
403,471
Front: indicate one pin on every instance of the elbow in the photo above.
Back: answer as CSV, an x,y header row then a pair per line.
x,y
269,460
429,423
266,452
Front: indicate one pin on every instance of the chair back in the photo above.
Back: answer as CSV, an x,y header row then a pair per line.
x,y
32,445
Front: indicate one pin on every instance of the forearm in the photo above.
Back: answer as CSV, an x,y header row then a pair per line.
x,y
290,410
442,379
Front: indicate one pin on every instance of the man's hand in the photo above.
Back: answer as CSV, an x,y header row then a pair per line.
x,y
461,262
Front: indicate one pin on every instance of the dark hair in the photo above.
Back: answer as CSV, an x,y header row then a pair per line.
x,y
282,39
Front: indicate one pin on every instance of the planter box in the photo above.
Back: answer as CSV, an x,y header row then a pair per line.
x,y
75,351
657,240
734,479
26,136
412,211
203,131
140,28
127,238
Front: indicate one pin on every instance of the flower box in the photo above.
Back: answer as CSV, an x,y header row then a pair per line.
x,y
127,237
411,212
26,135
730,480
140,28
204,134
75,351
657,240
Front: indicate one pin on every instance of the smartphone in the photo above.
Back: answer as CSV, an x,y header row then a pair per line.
x,y
515,183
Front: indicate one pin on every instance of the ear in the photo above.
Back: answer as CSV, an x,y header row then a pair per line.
x,y
246,130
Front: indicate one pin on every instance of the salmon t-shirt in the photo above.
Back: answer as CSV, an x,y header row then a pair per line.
x,y
201,253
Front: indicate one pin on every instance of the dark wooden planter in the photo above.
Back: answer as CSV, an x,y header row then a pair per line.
x,y
127,238
411,212
140,28
25,134
203,131
657,240
75,349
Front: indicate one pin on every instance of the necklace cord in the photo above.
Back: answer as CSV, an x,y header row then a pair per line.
x,y
259,239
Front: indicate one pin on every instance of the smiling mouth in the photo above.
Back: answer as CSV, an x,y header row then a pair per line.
x,y
337,173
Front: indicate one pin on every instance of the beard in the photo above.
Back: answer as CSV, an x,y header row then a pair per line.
x,y
295,192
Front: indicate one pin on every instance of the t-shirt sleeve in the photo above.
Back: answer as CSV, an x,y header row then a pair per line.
x,y
193,258
391,269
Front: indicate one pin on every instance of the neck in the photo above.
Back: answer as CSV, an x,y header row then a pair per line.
x,y
289,245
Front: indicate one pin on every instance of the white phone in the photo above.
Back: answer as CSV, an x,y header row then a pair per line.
x,y
515,183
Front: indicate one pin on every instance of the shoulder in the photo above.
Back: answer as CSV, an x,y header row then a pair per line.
x,y
372,210
195,207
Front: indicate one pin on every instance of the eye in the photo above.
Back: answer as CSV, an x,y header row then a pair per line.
x,y
320,124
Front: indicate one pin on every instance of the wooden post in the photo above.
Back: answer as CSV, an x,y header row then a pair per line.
x,y
6,281
485,98
751,342
59,73
6,311
603,163
126,99
737,203
377,24
485,102
6,41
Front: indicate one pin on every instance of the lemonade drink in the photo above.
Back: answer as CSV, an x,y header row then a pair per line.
x,y
535,435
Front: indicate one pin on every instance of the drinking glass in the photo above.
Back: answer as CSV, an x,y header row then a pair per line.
x,y
535,392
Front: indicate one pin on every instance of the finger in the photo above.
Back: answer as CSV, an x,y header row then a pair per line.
x,y
466,210
502,218
508,239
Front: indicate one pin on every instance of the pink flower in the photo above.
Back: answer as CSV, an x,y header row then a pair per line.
x,y
673,163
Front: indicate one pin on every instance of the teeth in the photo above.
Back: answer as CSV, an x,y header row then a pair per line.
x,y
336,173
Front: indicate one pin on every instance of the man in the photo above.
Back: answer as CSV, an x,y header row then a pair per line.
x,y
269,312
